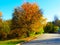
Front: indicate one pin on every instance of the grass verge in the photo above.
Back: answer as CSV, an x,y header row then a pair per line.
x,y
16,41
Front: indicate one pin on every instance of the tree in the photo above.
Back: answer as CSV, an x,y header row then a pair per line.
x,y
6,26
56,29
1,21
55,18
51,28
0,14
28,18
56,21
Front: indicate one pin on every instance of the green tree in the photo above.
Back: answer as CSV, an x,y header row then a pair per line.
x,y
51,28
1,21
6,26
55,29
56,21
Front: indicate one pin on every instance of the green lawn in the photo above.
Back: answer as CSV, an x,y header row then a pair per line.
x,y
7,44
11,42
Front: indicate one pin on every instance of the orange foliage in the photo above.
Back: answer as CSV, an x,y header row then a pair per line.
x,y
29,19
0,13
30,9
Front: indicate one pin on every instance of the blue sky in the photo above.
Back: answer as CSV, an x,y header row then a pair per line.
x,y
50,7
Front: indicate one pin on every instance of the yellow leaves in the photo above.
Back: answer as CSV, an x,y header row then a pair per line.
x,y
35,27
43,21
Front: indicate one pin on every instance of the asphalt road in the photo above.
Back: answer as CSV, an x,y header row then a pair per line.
x,y
45,39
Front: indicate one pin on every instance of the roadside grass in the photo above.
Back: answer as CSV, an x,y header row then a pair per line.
x,y
16,41
11,42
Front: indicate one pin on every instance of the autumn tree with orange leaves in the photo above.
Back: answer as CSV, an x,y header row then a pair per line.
x,y
0,21
28,18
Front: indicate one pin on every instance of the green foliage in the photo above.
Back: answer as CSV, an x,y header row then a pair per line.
x,y
11,42
56,28
1,25
32,34
51,28
6,27
56,21
41,30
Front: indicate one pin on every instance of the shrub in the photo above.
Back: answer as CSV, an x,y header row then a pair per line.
x,y
3,35
32,34
6,27
55,29
16,34
13,34
41,30
51,28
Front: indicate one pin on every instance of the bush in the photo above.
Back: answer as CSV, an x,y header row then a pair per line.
x,y
13,34
51,28
41,30
16,34
55,29
32,34
6,27
3,35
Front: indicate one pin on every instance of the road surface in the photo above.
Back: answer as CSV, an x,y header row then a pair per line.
x,y
45,39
